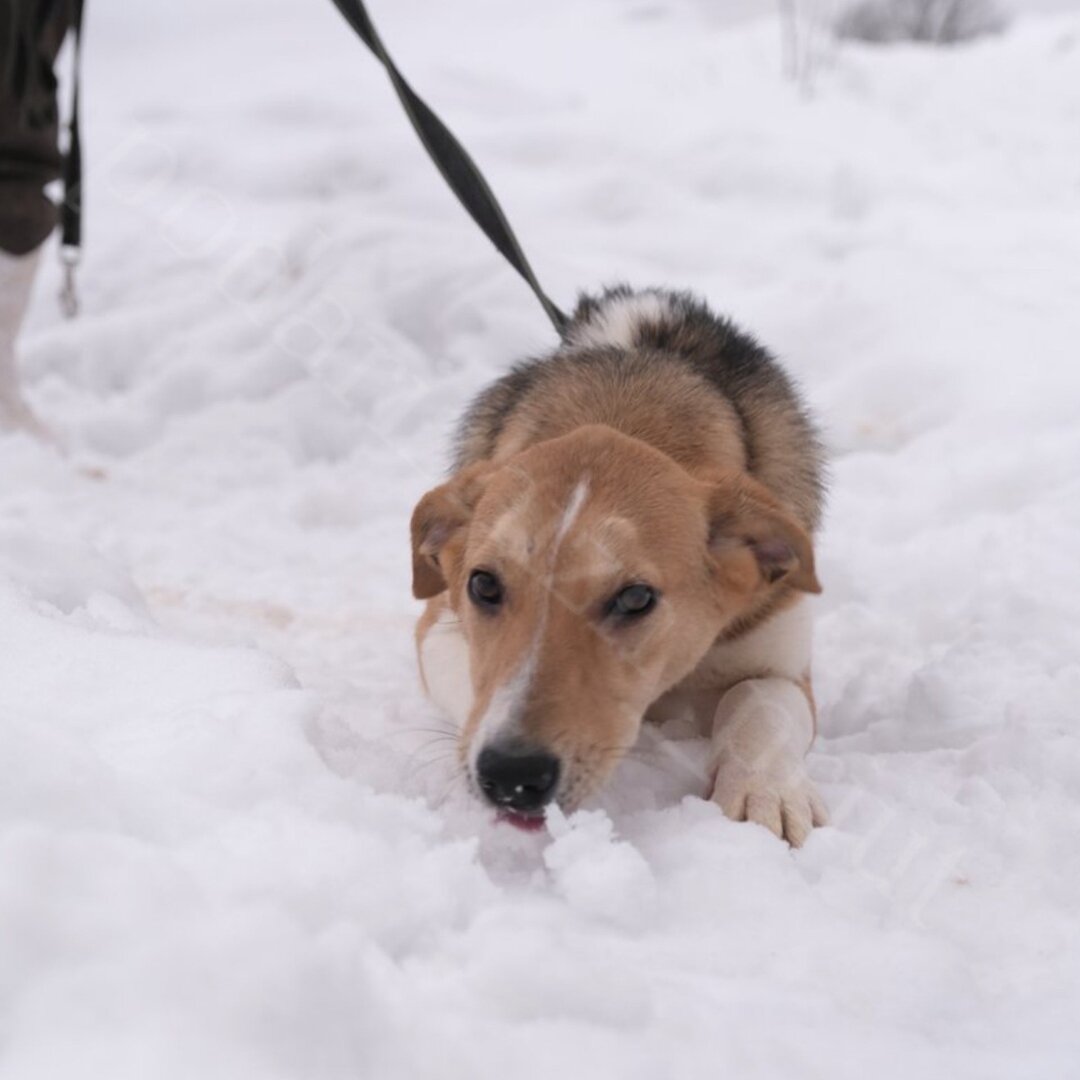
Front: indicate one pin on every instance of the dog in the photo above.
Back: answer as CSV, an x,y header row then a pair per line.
x,y
626,536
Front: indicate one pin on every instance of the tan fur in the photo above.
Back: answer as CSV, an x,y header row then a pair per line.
x,y
668,408
591,483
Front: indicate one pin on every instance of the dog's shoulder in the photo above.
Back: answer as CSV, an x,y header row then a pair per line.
x,y
777,644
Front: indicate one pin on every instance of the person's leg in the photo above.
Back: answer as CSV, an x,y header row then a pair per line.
x,y
16,281
30,159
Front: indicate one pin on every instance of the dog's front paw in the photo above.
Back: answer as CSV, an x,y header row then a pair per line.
x,y
786,803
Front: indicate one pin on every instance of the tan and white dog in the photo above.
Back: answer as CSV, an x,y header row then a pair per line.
x,y
627,535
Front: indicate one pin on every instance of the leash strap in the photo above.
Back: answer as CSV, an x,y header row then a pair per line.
x,y
71,208
452,160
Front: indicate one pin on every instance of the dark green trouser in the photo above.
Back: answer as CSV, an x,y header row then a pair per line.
x,y
31,33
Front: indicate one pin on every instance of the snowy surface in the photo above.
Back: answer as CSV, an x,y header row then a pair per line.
x,y
231,841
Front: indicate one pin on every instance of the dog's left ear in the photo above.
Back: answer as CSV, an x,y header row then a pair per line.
x,y
745,519
439,517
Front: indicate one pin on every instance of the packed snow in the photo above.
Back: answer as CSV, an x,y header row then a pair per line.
x,y
233,843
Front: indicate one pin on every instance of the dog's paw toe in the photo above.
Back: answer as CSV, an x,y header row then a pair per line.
x,y
789,810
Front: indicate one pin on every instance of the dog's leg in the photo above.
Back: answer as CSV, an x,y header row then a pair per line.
x,y
761,733
443,655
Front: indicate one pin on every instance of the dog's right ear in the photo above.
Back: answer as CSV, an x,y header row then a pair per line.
x,y
439,518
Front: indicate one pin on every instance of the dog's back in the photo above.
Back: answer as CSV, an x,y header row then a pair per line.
x,y
661,367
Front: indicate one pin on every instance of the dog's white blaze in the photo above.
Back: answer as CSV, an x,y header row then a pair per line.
x,y
503,714
617,322
569,516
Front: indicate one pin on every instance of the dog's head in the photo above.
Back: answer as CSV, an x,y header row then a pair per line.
x,y
591,573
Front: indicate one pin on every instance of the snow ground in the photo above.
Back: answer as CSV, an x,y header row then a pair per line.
x,y
230,840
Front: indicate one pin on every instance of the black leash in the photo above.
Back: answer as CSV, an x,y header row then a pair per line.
x,y
451,159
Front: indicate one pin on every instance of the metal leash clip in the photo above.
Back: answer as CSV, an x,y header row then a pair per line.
x,y
69,298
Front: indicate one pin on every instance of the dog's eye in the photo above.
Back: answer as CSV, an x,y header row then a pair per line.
x,y
633,601
485,589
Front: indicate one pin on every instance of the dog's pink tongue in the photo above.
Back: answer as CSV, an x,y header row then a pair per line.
x,y
530,823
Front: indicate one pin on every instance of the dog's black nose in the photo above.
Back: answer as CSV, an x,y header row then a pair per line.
x,y
517,776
